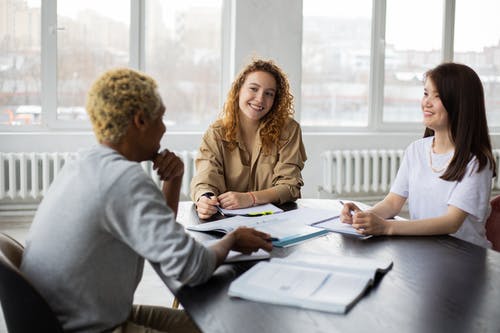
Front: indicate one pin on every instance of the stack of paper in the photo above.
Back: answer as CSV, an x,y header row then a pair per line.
x,y
312,281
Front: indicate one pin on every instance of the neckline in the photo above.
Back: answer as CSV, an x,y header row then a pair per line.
x,y
431,152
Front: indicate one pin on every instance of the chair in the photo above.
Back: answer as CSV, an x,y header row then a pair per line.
x,y
24,308
493,224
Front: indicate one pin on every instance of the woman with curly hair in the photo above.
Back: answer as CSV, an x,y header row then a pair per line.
x,y
253,154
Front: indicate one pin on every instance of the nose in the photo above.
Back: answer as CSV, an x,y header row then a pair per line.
x,y
426,101
259,96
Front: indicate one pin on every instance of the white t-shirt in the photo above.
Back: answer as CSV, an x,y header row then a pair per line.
x,y
429,196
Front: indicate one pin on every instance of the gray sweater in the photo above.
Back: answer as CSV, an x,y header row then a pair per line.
x,y
86,247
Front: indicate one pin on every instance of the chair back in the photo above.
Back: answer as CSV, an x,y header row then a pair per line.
x,y
24,309
493,224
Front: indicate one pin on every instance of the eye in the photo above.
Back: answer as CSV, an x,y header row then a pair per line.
x,y
270,94
254,89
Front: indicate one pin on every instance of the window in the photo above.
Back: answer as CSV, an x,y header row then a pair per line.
x,y
335,63
92,37
180,47
20,63
477,44
348,82
183,54
413,46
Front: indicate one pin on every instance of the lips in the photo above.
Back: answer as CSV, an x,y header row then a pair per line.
x,y
256,107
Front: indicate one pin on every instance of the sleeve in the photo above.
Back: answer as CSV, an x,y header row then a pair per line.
x,y
138,215
209,164
401,185
287,177
472,193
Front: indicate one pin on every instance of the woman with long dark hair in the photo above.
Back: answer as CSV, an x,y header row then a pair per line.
x,y
445,176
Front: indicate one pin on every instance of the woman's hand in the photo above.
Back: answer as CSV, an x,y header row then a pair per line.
x,y
235,200
206,206
347,211
368,223
168,165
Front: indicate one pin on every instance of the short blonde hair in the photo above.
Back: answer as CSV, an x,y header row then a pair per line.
x,y
114,99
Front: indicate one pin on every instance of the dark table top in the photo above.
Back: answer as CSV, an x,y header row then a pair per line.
x,y
436,284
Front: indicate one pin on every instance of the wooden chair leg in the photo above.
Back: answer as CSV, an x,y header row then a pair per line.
x,y
175,303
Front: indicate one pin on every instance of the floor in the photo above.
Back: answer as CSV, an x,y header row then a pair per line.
x,y
151,289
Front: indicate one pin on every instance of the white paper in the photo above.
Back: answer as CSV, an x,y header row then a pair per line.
x,y
309,281
252,210
289,225
336,225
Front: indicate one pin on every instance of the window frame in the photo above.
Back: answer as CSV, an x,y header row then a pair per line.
x,y
49,30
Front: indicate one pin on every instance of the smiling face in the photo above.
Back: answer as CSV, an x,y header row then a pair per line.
x,y
435,115
257,95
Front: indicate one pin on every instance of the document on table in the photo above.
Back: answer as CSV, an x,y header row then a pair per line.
x,y
266,209
336,225
313,281
287,228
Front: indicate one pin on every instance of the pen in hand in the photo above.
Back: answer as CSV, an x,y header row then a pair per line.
x,y
209,195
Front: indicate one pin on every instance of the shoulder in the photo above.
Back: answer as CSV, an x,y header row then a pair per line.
x,y
290,127
215,130
419,146
473,167
114,168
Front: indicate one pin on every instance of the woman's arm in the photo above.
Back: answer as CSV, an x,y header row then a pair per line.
x,y
287,174
209,177
389,207
235,200
368,223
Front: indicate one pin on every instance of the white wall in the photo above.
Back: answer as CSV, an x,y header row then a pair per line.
x,y
265,29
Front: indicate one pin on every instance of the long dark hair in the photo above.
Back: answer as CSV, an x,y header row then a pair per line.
x,y
462,95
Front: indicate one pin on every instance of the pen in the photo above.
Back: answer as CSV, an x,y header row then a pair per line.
x,y
343,204
209,195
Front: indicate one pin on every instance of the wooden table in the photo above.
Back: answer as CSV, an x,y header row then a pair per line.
x,y
437,284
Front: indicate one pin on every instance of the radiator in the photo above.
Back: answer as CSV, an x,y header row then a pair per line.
x,y
29,175
367,172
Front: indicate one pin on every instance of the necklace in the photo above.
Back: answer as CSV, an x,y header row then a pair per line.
x,y
430,160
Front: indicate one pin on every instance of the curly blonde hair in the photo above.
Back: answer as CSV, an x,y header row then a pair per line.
x,y
115,97
274,120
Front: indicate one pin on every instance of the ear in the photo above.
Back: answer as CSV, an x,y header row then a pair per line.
x,y
139,120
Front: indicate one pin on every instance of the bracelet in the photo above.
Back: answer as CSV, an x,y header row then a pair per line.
x,y
253,198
